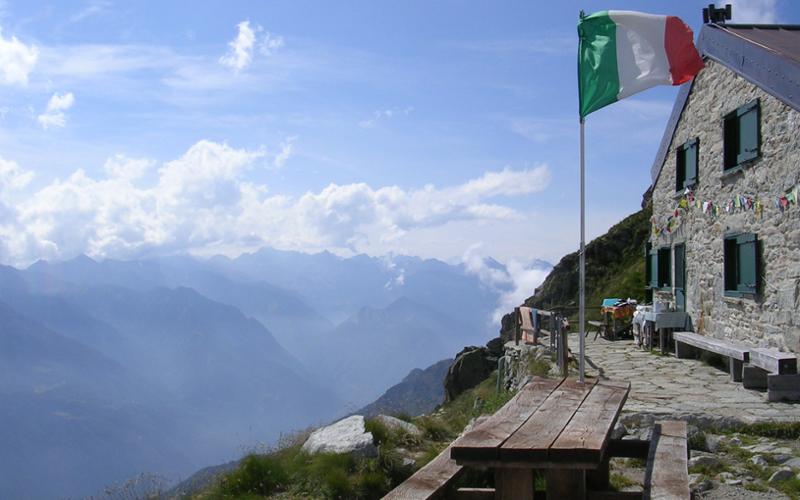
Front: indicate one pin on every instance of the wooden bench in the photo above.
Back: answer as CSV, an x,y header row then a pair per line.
x,y
434,480
667,456
667,475
687,342
773,361
774,371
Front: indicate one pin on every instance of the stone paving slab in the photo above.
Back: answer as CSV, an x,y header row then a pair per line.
x,y
668,385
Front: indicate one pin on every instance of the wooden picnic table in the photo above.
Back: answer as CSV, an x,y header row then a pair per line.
x,y
560,427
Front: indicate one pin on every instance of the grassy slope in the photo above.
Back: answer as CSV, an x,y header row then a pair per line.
x,y
615,267
289,473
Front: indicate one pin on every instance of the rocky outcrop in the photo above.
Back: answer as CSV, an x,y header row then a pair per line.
x,y
471,367
393,423
345,436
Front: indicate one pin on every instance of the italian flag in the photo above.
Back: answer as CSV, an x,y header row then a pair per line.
x,y
623,52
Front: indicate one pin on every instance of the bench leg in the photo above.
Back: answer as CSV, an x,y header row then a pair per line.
x,y
598,479
566,483
783,387
683,350
736,369
513,484
754,377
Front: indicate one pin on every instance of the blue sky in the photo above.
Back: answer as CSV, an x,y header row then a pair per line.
x,y
440,129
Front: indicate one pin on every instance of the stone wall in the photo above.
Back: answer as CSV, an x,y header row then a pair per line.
x,y
771,318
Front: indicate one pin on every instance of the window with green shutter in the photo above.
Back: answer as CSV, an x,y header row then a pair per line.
x,y
742,134
742,265
686,164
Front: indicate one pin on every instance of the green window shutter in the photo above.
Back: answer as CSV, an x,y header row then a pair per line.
x,y
653,268
680,266
748,133
746,266
690,162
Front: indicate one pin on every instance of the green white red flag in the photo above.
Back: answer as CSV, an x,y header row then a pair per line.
x,y
624,52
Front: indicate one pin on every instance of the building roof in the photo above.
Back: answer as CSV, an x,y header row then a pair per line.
x,y
765,55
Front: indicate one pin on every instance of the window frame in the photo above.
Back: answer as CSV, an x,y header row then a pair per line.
x,y
733,155
681,153
736,247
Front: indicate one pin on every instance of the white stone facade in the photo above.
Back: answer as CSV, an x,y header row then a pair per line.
x,y
770,318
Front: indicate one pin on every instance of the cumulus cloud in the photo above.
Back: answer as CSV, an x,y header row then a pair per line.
x,y
122,167
240,49
202,203
54,115
754,11
16,60
515,281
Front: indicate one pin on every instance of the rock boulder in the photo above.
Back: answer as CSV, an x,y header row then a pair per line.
x,y
471,367
345,436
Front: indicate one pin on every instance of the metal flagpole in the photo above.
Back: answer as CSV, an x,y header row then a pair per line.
x,y
582,285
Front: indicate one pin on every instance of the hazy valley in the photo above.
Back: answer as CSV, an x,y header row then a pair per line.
x,y
113,368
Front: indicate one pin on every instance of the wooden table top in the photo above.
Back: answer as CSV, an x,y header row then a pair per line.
x,y
548,424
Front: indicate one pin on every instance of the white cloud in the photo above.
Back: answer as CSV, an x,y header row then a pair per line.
x,y
240,52
270,43
754,11
516,281
287,149
54,115
121,167
201,203
240,49
16,60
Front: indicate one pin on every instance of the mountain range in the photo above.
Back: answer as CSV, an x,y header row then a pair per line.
x,y
111,368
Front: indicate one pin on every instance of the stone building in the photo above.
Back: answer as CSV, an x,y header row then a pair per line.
x,y
725,241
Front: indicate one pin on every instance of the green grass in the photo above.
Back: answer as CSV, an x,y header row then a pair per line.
x,y
774,430
697,441
539,367
619,481
756,486
790,487
289,472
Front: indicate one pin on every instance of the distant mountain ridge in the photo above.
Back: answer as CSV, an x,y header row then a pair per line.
x,y
218,353
420,392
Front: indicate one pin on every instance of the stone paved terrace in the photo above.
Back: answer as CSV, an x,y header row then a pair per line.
x,y
666,384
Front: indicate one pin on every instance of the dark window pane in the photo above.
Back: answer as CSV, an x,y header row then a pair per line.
x,y
680,266
731,134
664,268
730,264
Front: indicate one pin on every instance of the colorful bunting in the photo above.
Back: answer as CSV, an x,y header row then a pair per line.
x,y
738,202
